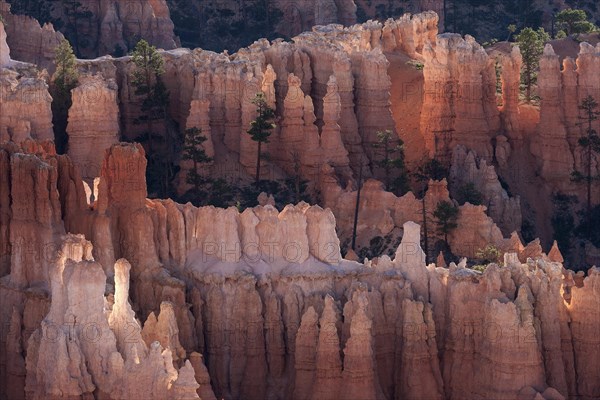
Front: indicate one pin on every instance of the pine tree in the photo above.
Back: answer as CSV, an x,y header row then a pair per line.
x,y
392,160
261,127
590,144
430,169
193,150
445,215
146,79
574,22
64,80
531,43
75,12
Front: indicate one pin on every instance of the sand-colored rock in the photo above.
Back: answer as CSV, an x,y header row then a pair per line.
x,y
93,123
72,364
29,41
4,50
25,109
550,145
458,105
511,79
466,168
260,292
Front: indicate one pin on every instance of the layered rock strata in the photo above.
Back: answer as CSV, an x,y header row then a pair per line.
x,y
29,42
467,169
267,302
25,102
459,104
93,123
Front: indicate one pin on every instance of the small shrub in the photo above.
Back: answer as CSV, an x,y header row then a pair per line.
x,y
489,254
479,267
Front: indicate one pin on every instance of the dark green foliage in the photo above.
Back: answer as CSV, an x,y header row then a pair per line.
x,y
588,226
445,215
590,144
284,192
261,127
224,26
215,192
38,9
487,19
488,254
468,193
527,230
574,22
193,150
378,246
64,80
146,79
563,221
392,162
531,43
206,190
75,14
430,169
375,248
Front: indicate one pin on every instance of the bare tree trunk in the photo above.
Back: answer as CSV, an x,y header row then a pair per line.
x,y
589,165
356,208
425,238
258,164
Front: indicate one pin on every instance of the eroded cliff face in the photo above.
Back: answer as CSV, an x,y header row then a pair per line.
x,y
264,296
28,40
333,89
25,107
93,123
230,25
95,28
265,293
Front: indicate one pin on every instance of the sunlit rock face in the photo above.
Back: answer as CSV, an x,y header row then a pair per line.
x,y
29,41
4,50
459,103
108,27
93,123
25,110
260,303
270,311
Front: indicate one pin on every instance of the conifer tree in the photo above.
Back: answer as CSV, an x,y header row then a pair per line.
x,y
590,144
261,127
531,43
146,79
64,80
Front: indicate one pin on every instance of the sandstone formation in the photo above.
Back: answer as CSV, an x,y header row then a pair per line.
x,y
25,107
75,352
467,169
562,91
261,300
28,41
550,145
459,103
107,27
511,73
4,50
93,123
267,290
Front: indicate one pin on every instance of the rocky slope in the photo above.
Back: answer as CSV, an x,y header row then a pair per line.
x,y
342,85
260,303
271,304
94,28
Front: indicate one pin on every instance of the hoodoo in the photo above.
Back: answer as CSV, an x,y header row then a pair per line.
x,y
377,210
